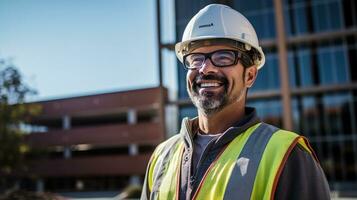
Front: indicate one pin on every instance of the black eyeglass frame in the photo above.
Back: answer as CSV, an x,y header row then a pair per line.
x,y
238,55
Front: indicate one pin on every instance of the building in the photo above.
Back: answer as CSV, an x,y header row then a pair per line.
x,y
309,81
96,143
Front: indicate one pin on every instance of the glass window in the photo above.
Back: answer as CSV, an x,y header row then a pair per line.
x,y
327,122
187,111
268,76
338,126
323,16
181,81
287,21
332,64
327,15
333,110
169,72
167,21
263,23
292,69
252,5
349,13
341,65
319,17
334,14
269,24
305,65
299,62
295,1
257,21
310,117
296,110
270,111
300,15
260,13
325,65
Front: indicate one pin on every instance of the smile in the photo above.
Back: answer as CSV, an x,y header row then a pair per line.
x,y
208,85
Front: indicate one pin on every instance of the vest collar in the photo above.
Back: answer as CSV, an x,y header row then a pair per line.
x,y
189,128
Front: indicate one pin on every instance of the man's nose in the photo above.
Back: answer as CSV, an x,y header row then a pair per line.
x,y
208,67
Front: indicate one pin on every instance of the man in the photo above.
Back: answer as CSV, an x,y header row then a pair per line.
x,y
226,152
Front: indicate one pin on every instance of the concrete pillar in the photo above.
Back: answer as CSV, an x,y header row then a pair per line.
x,y
133,151
66,125
132,116
40,185
79,185
133,148
67,152
283,65
135,180
66,122
17,184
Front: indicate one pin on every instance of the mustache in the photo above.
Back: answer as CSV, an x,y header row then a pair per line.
x,y
201,77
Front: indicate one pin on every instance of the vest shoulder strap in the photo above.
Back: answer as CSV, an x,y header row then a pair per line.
x,y
273,160
159,160
244,172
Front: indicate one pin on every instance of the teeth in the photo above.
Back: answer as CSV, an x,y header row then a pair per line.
x,y
203,85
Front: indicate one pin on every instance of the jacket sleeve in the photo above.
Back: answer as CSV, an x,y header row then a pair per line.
x,y
302,178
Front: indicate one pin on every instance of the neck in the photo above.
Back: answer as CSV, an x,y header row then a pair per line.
x,y
220,121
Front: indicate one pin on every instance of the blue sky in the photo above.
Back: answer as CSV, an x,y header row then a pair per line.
x,y
70,48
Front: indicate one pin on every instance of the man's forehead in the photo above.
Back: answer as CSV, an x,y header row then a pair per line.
x,y
227,43
210,48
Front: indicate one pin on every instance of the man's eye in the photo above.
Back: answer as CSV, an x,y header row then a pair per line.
x,y
196,60
223,58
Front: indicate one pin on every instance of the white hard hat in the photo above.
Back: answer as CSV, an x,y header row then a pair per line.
x,y
220,21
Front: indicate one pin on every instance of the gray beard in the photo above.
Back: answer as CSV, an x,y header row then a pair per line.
x,y
209,104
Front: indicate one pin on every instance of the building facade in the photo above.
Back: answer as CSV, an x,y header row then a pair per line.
x,y
96,144
309,81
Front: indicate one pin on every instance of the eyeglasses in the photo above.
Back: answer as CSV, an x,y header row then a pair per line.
x,y
220,58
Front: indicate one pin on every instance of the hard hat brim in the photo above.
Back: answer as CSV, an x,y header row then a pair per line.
x,y
180,47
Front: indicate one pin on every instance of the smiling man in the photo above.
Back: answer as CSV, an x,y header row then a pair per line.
x,y
227,152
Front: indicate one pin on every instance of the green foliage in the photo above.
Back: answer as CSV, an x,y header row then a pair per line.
x,y
13,113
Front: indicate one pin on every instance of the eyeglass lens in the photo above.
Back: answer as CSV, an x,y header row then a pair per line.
x,y
220,58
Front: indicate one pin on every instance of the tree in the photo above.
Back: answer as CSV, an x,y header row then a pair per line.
x,y
13,113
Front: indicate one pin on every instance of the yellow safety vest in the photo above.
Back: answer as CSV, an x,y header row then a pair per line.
x,y
249,167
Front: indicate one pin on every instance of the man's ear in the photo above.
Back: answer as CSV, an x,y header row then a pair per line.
x,y
250,75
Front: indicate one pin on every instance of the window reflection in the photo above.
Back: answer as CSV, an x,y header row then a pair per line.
x,y
260,13
328,121
187,111
304,16
269,111
322,65
268,76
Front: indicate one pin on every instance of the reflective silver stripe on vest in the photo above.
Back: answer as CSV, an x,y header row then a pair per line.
x,y
241,182
166,156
